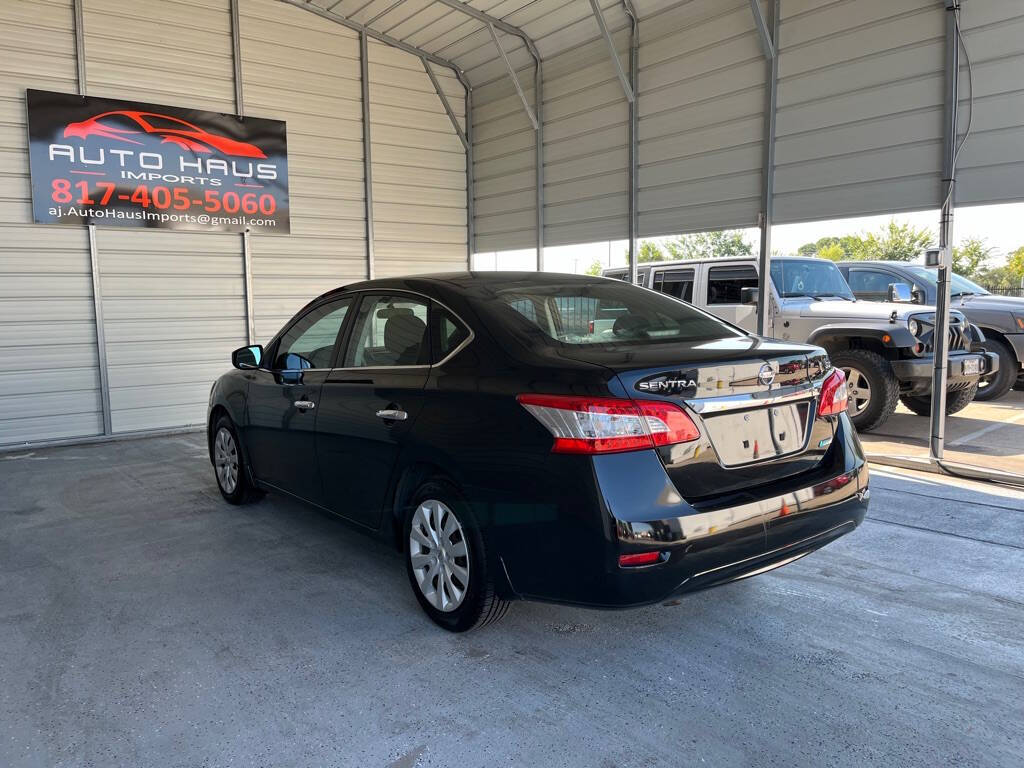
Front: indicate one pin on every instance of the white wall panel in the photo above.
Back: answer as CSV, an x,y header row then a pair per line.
x,y
303,69
49,380
419,166
860,108
175,52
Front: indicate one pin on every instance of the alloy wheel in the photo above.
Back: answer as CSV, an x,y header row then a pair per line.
x,y
225,456
439,556
858,390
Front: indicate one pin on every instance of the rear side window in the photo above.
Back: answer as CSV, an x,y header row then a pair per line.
x,y
448,333
389,331
677,282
726,284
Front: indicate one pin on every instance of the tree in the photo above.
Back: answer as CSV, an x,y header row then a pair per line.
x,y
709,245
1015,266
970,257
832,252
895,242
647,251
834,248
595,268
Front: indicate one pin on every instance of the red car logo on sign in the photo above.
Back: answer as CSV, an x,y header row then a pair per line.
x,y
123,125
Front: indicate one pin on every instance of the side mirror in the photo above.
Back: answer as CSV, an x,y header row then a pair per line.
x,y
748,296
899,293
247,358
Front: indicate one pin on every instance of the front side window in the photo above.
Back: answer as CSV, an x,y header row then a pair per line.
x,y
600,312
726,284
390,330
809,277
309,343
959,285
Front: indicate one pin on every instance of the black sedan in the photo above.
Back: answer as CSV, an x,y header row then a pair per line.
x,y
544,437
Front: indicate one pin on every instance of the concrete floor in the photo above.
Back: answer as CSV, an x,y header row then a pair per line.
x,y
144,622
989,435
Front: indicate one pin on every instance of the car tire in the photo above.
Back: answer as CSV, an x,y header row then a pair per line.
x,y
868,374
994,387
229,465
956,401
446,560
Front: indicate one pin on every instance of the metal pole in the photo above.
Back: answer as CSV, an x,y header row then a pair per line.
x,y
538,108
943,299
94,254
634,117
768,181
470,180
236,60
627,86
364,77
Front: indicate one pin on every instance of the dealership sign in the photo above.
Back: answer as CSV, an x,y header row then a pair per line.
x,y
122,163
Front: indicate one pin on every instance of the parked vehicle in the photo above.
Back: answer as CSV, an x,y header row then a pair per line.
x,y
1001,318
511,455
883,348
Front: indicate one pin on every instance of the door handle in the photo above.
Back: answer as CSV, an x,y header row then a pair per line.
x,y
304,405
393,415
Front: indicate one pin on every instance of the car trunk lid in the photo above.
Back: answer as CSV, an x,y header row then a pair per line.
x,y
754,401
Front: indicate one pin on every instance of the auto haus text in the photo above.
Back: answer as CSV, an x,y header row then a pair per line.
x,y
151,166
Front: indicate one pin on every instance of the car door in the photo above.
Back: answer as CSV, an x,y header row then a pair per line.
x,y
370,401
283,400
871,284
725,286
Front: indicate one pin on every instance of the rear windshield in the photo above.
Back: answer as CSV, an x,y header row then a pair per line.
x,y
606,312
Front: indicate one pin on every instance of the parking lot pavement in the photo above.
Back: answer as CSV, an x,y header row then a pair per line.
x,y
989,435
144,622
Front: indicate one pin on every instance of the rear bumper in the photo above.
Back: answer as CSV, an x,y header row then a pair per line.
x,y
916,375
702,544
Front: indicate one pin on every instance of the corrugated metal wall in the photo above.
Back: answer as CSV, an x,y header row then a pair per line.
x,y
49,378
173,302
419,167
304,70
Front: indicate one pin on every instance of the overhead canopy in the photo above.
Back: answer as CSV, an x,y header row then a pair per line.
x,y
860,101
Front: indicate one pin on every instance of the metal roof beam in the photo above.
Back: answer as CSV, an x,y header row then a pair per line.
x,y
307,5
599,16
767,44
486,18
512,75
445,104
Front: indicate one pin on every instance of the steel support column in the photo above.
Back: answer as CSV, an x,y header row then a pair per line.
x,y
949,152
470,177
94,254
364,80
627,86
538,108
771,48
236,60
634,119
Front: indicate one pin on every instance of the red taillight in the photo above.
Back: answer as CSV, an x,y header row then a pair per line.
x,y
609,424
639,558
833,394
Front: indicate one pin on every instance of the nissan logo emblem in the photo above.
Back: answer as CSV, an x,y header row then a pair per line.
x,y
766,375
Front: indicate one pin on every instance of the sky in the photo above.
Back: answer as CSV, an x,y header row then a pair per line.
x,y
1001,226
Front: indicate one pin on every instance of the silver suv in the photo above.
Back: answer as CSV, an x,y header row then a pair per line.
x,y
884,348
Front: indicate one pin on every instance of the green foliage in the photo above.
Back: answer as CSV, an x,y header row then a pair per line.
x,y
648,251
595,268
970,257
893,242
709,245
1015,264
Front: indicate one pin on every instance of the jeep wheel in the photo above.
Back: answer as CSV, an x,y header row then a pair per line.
x,y
872,387
998,384
956,401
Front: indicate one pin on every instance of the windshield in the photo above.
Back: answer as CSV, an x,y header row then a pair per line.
x,y
604,312
803,277
959,285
